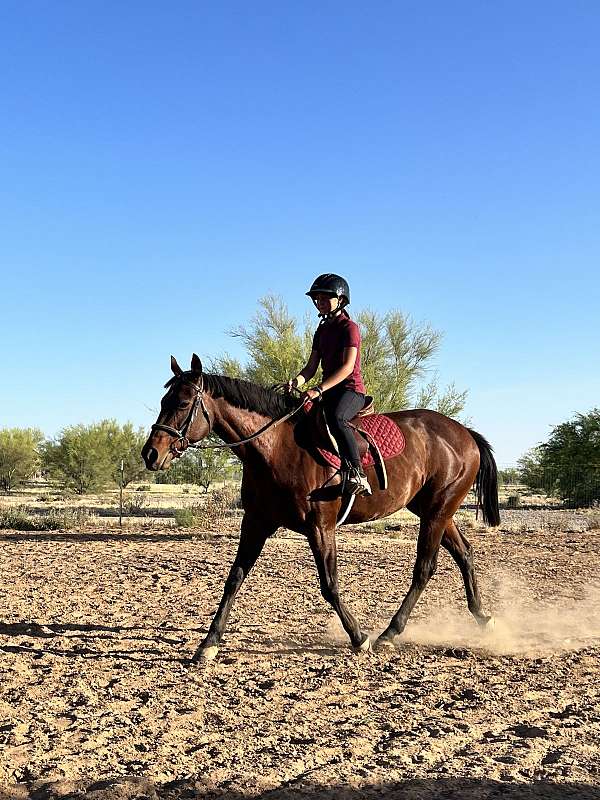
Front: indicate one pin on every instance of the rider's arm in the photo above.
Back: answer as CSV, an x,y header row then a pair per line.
x,y
342,372
307,372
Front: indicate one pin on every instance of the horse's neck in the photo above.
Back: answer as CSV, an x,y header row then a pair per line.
x,y
231,424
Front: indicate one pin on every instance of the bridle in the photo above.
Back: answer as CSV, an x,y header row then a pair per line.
x,y
181,435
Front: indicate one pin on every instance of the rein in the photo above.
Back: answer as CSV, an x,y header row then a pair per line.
x,y
199,401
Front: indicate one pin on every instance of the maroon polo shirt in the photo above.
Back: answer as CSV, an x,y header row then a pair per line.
x,y
330,339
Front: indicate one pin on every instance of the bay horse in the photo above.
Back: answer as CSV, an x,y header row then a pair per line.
x,y
441,461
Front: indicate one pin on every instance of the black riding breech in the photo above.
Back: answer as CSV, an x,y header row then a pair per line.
x,y
341,405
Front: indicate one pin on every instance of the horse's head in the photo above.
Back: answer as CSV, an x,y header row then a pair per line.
x,y
183,419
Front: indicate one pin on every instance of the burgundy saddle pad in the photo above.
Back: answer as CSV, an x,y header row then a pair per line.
x,y
387,435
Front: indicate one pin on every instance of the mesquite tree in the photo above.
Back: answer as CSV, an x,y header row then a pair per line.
x,y
567,465
19,456
395,355
88,457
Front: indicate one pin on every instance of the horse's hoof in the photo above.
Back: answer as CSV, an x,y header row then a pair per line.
x,y
383,643
205,654
486,623
364,646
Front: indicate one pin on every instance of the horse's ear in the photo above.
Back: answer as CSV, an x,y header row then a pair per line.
x,y
196,364
176,369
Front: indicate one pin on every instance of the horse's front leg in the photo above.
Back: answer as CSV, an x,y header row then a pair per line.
x,y
323,545
253,536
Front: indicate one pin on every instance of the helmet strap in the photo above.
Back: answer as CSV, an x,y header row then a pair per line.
x,y
331,314
334,312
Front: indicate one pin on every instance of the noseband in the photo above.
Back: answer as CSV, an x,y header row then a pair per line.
x,y
182,434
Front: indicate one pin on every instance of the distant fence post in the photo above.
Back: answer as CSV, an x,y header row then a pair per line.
x,y
121,494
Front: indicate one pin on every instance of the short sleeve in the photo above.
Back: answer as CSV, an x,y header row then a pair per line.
x,y
352,335
315,343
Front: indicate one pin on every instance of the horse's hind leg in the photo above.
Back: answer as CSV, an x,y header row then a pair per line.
x,y
428,545
323,546
461,551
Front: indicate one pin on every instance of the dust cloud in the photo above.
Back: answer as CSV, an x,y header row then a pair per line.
x,y
521,623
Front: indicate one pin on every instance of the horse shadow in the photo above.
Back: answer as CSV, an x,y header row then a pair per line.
x,y
85,636
449,788
58,536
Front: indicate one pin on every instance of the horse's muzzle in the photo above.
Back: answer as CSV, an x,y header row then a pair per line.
x,y
151,458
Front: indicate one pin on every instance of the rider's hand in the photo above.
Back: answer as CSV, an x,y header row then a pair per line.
x,y
286,386
313,394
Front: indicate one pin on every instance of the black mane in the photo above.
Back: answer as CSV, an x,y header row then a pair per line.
x,y
251,396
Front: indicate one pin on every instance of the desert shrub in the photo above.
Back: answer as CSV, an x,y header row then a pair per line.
x,y
210,513
185,518
17,519
22,519
468,521
64,519
379,526
593,521
228,496
465,520
143,488
107,499
553,522
136,505
62,496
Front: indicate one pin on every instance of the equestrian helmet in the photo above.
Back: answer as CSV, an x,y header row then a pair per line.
x,y
328,283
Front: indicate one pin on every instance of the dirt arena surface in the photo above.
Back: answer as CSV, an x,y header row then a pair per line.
x,y
96,700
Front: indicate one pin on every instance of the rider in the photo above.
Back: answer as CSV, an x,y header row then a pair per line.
x,y
336,345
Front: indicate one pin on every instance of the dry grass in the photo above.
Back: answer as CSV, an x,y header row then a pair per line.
x,y
23,518
42,506
45,506
210,513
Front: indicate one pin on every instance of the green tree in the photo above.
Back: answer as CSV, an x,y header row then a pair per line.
x,y
275,346
19,456
396,354
531,471
568,463
200,467
125,443
88,457
80,458
509,476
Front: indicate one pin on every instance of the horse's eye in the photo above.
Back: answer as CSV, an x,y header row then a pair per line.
x,y
182,405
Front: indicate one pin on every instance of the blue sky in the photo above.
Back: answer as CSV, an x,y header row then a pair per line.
x,y
163,166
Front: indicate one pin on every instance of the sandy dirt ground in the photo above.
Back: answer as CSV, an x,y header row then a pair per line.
x,y
97,702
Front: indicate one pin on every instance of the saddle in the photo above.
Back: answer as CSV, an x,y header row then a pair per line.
x,y
373,433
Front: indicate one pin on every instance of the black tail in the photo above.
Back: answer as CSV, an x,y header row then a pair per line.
x,y
486,481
